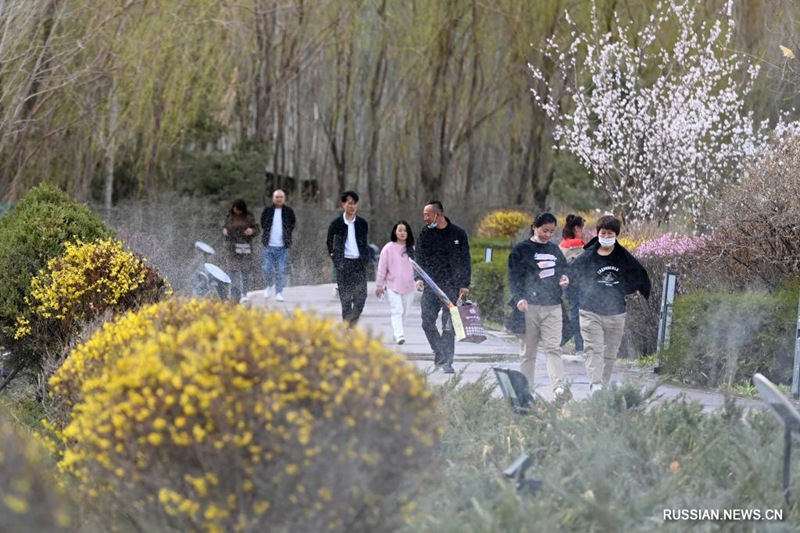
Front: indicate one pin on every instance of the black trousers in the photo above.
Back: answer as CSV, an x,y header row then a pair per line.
x,y
352,278
443,344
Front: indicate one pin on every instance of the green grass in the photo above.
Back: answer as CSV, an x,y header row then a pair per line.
x,y
613,462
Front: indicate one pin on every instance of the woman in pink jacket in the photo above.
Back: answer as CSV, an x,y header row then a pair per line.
x,y
397,276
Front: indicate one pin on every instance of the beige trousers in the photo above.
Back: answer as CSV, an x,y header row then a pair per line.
x,y
543,325
602,335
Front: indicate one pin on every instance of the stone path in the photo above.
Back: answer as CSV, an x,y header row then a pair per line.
x,y
472,360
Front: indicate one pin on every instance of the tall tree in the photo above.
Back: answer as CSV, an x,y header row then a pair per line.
x,y
665,146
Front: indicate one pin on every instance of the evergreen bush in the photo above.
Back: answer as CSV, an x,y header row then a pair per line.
x,y
32,233
724,338
204,415
489,288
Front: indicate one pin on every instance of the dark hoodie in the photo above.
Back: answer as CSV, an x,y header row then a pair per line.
x,y
604,281
444,255
534,271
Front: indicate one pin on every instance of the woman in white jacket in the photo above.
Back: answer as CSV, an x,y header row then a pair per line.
x,y
395,276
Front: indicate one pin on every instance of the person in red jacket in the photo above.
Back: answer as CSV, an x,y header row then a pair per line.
x,y
572,246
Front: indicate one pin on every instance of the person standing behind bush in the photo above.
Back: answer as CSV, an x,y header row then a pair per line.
x,y
397,275
537,273
572,246
239,229
278,222
604,274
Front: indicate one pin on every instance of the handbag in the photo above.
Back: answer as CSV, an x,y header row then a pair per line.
x,y
243,249
467,322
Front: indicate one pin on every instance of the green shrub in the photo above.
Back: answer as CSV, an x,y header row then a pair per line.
x,y
30,498
34,232
209,416
613,462
489,289
722,338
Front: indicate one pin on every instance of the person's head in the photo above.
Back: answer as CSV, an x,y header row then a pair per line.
x,y
544,226
433,213
349,203
239,207
608,228
401,232
573,227
278,198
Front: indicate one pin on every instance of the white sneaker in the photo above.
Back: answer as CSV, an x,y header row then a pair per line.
x,y
267,293
279,297
580,356
244,299
595,387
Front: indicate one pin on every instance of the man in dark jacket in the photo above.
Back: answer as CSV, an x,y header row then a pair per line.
x,y
604,274
443,252
348,249
278,222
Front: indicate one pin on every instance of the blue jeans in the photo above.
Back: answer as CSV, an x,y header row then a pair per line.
x,y
274,265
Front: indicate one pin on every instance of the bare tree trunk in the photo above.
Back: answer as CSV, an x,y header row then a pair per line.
x,y
111,151
375,184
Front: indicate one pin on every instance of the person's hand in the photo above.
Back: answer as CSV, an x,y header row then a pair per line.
x,y
378,292
420,285
463,292
248,231
224,232
522,305
564,281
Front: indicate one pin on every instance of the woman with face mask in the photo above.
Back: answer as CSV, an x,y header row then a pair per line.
x,y
603,276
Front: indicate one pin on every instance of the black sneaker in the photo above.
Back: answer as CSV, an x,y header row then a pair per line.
x,y
448,369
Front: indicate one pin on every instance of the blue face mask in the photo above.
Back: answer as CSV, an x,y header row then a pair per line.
x,y
433,224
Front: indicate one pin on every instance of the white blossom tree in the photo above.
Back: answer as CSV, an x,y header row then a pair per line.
x,y
659,127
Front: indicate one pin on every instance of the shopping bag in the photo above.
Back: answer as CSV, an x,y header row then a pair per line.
x,y
467,322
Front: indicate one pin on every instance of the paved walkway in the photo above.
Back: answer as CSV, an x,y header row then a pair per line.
x,y
472,360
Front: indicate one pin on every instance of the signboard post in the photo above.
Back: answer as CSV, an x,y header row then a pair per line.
x,y
786,415
665,317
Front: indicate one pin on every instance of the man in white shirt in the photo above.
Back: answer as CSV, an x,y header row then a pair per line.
x,y
348,249
278,223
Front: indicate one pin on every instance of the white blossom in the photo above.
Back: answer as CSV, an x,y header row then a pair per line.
x,y
661,146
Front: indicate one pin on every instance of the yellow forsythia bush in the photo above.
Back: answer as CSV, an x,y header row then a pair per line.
x,y
503,223
30,498
88,281
204,415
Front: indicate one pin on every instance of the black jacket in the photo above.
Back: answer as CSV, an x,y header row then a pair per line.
x,y
444,255
527,263
604,281
288,220
337,235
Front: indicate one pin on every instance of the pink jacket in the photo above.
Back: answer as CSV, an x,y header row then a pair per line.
x,y
394,270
